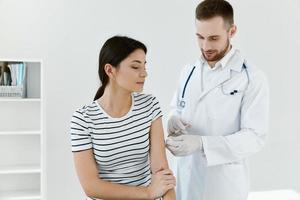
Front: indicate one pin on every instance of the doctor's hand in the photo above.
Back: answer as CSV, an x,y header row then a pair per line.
x,y
184,145
177,126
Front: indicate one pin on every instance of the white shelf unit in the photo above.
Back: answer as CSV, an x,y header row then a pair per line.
x,y
19,100
22,195
22,169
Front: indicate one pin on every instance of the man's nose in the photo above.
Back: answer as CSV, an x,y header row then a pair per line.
x,y
206,45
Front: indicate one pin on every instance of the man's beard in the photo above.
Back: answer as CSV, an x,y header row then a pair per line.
x,y
218,56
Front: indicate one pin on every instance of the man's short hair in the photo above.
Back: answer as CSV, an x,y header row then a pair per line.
x,y
208,9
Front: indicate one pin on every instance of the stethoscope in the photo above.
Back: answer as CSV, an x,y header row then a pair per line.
x,y
233,92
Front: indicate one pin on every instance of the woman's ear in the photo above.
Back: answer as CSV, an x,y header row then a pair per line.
x,y
110,71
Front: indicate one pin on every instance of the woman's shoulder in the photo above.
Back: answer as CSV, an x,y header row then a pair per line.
x,y
139,97
87,110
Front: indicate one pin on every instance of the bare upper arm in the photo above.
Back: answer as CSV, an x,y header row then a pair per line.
x,y
158,156
86,167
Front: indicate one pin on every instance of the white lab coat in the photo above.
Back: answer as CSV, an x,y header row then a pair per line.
x,y
232,128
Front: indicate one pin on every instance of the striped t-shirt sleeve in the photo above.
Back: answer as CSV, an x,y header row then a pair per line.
x,y
156,110
80,136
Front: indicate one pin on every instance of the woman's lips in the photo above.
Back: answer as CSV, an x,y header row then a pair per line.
x,y
140,83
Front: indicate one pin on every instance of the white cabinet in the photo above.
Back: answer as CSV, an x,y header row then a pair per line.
x,y
22,170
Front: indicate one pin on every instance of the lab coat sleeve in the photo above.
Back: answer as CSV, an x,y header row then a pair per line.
x,y
254,124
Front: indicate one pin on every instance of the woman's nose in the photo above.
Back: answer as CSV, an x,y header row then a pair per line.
x,y
144,73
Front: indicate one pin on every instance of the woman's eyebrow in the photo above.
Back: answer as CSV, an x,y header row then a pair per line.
x,y
138,61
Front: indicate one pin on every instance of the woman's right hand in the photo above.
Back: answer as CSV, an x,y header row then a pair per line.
x,y
161,182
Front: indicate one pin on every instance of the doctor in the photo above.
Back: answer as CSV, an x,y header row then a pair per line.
x,y
219,113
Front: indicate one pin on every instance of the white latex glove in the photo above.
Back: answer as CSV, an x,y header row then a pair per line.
x,y
177,126
183,145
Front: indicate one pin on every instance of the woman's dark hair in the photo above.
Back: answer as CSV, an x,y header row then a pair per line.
x,y
114,51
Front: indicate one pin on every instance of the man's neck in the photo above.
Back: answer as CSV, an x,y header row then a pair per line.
x,y
213,63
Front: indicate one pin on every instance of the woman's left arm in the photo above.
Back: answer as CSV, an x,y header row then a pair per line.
x,y
158,156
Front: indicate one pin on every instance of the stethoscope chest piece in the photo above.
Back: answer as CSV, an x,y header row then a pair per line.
x,y
182,104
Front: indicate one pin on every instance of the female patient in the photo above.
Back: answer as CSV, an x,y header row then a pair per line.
x,y
117,140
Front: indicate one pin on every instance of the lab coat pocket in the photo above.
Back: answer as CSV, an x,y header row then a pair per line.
x,y
223,112
225,100
225,103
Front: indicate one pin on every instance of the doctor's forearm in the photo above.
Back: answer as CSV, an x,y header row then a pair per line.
x,y
246,142
231,148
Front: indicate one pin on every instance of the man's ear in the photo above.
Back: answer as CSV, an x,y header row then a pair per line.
x,y
232,31
110,71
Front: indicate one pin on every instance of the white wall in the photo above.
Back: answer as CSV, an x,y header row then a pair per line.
x,y
67,35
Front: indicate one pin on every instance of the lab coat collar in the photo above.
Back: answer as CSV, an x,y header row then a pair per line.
x,y
223,62
232,59
236,61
